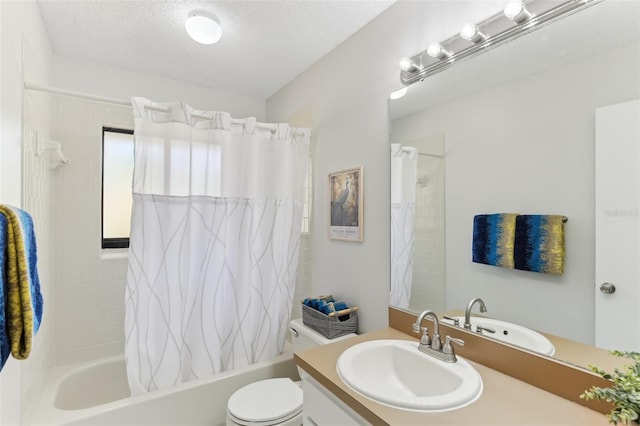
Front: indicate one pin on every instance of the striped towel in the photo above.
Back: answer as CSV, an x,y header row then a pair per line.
x,y
539,243
23,309
493,239
5,346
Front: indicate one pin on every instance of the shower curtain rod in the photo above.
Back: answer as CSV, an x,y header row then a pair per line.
x,y
113,101
78,95
430,155
408,150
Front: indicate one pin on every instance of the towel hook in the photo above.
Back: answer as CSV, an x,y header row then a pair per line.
x,y
45,145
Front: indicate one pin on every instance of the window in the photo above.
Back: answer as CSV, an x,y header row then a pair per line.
x,y
117,175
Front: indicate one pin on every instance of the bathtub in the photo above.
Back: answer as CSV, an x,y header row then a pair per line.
x,y
97,393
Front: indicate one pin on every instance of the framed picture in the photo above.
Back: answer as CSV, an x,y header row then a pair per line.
x,y
345,206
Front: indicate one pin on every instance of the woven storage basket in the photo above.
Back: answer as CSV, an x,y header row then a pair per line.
x,y
330,326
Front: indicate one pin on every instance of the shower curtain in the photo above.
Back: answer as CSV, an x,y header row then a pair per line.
x,y
215,227
404,167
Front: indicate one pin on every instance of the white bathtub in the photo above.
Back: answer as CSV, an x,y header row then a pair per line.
x,y
98,394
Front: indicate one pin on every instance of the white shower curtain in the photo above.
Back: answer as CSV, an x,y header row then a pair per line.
x,y
404,167
215,227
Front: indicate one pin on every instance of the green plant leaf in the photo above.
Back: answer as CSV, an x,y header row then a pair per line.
x,y
624,392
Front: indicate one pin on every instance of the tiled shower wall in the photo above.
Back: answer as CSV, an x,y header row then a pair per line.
x,y
428,267
90,283
38,200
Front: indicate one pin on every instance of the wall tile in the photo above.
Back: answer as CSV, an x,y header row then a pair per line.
x,y
90,318
38,200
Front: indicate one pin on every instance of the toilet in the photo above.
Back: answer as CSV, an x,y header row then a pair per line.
x,y
277,401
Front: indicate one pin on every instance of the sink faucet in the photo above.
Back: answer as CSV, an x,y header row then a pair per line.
x,y
435,342
433,346
467,312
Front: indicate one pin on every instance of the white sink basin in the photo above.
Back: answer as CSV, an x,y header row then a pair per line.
x,y
513,334
396,373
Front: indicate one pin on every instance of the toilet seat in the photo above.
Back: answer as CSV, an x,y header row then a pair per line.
x,y
267,402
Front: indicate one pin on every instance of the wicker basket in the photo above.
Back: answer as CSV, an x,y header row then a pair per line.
x,y
330,326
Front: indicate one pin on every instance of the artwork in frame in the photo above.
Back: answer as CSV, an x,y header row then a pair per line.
x,y
345,207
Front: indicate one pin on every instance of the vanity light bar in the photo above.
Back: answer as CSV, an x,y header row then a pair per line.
x,y
492,32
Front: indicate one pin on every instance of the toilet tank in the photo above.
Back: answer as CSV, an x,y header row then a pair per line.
x,y
303,337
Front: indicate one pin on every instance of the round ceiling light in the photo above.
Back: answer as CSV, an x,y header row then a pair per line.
x,y
203,29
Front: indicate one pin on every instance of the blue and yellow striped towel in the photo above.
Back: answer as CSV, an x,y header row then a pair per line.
x,y
22,310
493,239
539,243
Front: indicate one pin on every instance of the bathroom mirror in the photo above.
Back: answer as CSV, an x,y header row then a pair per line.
x,y
517,131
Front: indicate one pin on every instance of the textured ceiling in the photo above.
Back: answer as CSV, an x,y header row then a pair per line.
x,y
265,44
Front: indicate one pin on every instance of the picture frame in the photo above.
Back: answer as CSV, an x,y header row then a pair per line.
x,y
346,208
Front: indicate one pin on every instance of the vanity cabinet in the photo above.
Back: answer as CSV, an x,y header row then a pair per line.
x,y
322,408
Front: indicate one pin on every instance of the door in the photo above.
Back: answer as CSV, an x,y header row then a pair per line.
x,y
617,204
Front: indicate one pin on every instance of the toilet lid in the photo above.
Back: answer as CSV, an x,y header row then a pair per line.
x,y
266,400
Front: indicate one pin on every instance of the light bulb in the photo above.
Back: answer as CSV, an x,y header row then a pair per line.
x,y
516,12
435,50
407,65
471,32
202,29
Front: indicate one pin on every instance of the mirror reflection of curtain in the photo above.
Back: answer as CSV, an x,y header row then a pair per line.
x,y
404,170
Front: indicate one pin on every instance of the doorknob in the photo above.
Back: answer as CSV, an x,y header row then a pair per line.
x,y
607,288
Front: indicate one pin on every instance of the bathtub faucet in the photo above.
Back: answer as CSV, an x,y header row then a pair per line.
x,y
467,312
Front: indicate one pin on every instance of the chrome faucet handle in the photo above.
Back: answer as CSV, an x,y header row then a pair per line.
x,y
480,329
425,340
436,343
447,349
456,321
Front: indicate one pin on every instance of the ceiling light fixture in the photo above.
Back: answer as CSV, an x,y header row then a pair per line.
x,y
407,65
471,32
517,12
436,51
203,29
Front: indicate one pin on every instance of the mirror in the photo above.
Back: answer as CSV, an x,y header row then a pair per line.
x,y
516,126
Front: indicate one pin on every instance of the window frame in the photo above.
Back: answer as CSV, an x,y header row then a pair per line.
x,y
110,243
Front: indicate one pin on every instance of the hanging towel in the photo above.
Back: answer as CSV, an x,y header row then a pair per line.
x,y
5,346
493,239
539,243
23,309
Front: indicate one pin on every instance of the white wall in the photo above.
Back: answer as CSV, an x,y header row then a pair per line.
x,y
349,90
20,25
539,160
93,78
